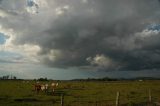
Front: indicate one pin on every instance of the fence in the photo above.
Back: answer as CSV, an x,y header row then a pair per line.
x,y
78,102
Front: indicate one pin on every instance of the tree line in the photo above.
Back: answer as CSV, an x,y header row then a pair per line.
x,y
8,77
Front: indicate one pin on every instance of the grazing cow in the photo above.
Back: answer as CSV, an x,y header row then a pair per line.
x,y
42,87
46,87
53,86
37,88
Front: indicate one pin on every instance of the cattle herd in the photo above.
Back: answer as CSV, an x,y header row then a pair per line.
x,y
45,87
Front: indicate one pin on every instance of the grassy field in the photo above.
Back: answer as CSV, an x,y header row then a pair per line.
x,y
132,93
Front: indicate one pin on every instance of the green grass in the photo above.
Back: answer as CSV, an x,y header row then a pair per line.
x,y
19,93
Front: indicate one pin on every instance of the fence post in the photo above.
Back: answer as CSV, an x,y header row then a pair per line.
x,y
117,99
96,103
150,96
62,99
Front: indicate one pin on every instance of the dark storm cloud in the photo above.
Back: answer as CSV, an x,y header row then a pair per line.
x,y
105,32
97,33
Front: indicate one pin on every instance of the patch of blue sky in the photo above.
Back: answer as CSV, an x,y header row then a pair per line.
x,y
154,27
30,3
2,38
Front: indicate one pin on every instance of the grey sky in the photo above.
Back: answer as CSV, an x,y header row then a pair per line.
x,y
102,35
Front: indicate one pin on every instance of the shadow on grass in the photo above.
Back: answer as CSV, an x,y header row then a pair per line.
x,y
4,98
57,93
140,104
26,100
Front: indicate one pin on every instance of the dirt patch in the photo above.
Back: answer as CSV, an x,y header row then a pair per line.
x,y
140,104
26,100
3,98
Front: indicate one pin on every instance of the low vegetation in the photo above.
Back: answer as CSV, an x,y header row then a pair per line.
x,y
80,93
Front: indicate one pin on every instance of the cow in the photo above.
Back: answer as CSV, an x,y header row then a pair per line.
x,y
53,86
37,88
46,87
42,87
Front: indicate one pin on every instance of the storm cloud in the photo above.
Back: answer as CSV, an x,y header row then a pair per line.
x,y
99,34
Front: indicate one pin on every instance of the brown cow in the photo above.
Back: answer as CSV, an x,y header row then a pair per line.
x,y
37,88
53,86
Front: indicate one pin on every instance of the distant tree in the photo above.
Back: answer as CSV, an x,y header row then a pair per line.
x,y
7,77
42,79
4,77
14,77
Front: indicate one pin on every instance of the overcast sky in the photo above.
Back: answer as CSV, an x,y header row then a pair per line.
x,y
66,39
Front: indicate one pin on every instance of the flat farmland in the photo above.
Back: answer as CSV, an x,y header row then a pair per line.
x,y
80,93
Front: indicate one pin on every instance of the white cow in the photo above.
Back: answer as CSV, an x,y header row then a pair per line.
x,y
42,87
46,87
53,86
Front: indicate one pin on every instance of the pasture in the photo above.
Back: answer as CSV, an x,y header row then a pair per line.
x,y
80,93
